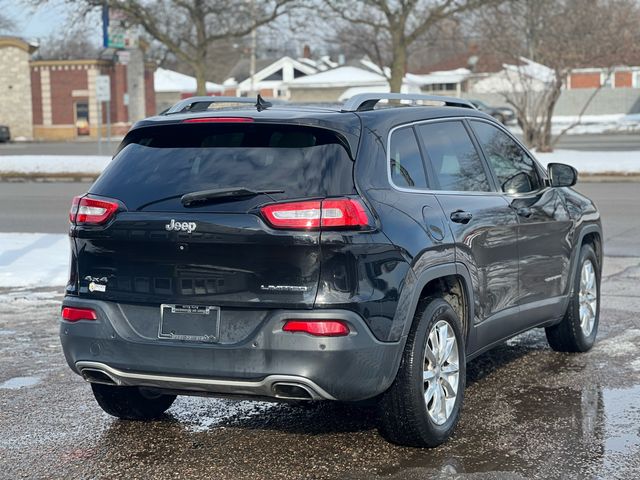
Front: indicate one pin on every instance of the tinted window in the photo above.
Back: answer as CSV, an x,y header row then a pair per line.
x,y
159,162
514,168
454,159
407,169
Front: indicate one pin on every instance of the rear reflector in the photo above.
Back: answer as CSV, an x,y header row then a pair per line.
x,y
219,120
72,314
340,212
89,211
318,328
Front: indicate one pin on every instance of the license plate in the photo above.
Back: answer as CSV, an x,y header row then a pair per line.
x,y
193,323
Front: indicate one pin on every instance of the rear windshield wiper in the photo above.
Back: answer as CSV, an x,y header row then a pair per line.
x,y
221,193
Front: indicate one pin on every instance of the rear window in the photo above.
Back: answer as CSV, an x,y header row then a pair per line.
x,y
163,161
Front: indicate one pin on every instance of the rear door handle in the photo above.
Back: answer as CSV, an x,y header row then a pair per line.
x,y
460,216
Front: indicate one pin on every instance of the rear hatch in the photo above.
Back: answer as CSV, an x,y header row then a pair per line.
x,y
221,249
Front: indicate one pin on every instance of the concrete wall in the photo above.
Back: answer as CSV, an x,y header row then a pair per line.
x,y
15,90
165,100
607,101
316,94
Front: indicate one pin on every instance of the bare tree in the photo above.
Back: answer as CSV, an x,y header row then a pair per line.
x,y
390,27
189,29
73,42
445,40
544,40
6,25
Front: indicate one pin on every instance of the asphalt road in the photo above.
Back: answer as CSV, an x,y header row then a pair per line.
x,y
605,142
43,207
613,141
529,412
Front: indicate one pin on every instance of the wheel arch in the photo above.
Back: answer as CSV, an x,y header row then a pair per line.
x,y
454,281
423,286
589,235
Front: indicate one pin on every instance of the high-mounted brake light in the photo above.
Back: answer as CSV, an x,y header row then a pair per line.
x,y
340,212
219,120
72,314
90,211
318,328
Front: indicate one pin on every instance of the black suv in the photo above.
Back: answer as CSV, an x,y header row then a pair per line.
x,y
303,253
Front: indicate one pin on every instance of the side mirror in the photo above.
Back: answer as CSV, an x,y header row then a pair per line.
x,y
518,183
562,175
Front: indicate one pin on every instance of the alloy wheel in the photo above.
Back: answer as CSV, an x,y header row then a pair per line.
x,y
588,298
441,373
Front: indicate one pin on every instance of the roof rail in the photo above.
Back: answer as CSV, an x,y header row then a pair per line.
x,y
367,101
201,104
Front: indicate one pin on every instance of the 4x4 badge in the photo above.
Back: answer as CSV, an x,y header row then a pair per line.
x,y
180,226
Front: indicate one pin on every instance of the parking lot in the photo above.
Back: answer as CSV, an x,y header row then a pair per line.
x,y
529,411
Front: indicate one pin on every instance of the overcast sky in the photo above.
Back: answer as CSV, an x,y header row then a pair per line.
x,y
31,22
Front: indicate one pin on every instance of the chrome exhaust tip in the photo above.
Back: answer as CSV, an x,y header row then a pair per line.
x,y
93,375
293,391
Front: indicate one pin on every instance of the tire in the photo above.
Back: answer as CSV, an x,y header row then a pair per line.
x,y
569,335
404,413
130,403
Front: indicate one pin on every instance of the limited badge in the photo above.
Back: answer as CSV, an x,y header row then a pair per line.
x,y
96,287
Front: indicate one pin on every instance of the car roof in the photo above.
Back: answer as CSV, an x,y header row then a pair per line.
x,y
327,116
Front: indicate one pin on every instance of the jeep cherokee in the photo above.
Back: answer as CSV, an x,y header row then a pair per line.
x,y
304,253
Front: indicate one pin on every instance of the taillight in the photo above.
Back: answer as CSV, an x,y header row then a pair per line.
x,y
318,328
72,314
331,213
89,211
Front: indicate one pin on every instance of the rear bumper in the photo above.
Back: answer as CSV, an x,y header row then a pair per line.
x,y
116,349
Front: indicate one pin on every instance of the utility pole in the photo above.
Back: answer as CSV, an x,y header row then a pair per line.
x,y
254,35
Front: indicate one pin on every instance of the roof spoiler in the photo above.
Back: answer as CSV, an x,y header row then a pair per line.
x,y
367,101
201,104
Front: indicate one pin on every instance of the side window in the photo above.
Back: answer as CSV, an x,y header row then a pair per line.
x,y
514,168
456,163
407,169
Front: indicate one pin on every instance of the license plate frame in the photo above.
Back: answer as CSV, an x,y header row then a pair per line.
x,y
189,323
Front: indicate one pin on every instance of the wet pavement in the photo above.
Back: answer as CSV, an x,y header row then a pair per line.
x,y
529,412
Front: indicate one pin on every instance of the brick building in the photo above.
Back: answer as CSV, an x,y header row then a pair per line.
x,y
620,77
64,98
56,99
15,86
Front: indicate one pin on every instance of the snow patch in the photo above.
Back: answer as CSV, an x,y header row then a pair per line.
x,y
170,81
33,260
623,162
621,344
202,414
592,124
87,164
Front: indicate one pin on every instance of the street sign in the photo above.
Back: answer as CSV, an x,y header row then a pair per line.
x,y
117,32
103,88
123,56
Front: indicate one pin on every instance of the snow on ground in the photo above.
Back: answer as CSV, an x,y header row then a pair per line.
x,y
593,124
587,162
33,260
48,164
